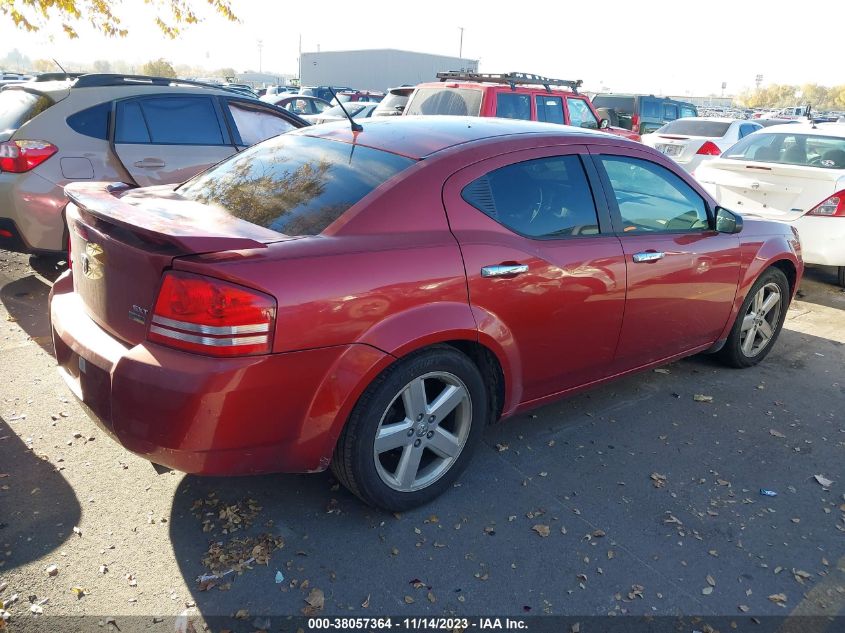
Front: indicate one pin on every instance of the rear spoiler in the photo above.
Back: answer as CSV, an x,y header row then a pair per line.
x,y
190,226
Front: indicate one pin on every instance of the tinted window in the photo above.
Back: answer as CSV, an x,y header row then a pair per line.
x,y
458,101
696,128
130,126
580,114
256,124
19,106
549,109
292,184
182,120
92,121
688,111
512,105
543,198
809,150
747,128
652,198
670,112
624,105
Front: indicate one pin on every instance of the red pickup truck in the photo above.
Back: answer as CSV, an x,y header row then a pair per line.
x,y
510,96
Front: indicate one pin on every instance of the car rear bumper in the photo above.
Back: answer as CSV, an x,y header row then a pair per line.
x,y
203,415
33,206
822,240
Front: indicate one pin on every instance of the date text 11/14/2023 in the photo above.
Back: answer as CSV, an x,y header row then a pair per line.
x,y
416,624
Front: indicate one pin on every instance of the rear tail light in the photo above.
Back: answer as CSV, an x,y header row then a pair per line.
x,y
635,123
833,207
18,157
213,317
709,148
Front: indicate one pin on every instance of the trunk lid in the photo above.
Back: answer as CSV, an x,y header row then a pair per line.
x,y
776,191
121,241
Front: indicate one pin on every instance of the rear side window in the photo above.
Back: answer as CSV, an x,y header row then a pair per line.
x,y
512,105
292,184
456,101
670,111
549,109
19,106
542,198
649,108
92,121
688,111
168,121
623,105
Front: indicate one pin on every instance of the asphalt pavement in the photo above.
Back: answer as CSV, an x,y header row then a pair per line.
x,y
636,498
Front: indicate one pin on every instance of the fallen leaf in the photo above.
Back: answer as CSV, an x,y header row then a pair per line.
x,y
599,533
77,530
824,481
242,614
743,608
661,370
409,600
315,601
501,447
778,598
702,398
707,591
710,580
51,570
542,530
776,433
366,603
658,480
78,592
431,597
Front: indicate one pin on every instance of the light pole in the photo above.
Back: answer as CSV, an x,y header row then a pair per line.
x,y
461,46
260,46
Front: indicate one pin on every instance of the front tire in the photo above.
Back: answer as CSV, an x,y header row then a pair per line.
x,y
759,321
413,430
841,276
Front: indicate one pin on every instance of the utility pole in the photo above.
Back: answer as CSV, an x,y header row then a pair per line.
x,y
461,46
299,77
260,46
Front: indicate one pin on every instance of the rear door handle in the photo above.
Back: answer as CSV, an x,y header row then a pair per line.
x,y
150,163
648,256
504,270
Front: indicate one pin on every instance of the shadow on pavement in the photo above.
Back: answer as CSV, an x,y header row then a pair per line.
x,y
35,500
820,286
26,300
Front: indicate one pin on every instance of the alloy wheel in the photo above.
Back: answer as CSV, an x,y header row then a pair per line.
x,y
761,319
423,431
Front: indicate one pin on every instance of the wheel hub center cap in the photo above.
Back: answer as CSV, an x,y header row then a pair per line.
x,y
422,429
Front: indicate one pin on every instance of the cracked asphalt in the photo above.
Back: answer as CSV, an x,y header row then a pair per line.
x,y
633,499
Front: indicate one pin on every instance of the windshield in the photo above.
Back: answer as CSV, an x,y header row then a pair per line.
x,y
17,107
294,185
352,108
696,128
457,101
809,150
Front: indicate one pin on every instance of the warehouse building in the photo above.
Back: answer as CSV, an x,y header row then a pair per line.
x,y
376,69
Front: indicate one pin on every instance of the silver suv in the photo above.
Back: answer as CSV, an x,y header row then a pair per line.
x,y
133,129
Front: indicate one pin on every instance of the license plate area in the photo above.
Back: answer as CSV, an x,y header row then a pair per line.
x,y
669,150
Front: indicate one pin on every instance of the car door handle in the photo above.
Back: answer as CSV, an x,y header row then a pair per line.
x,y
648,256
150,163
504,270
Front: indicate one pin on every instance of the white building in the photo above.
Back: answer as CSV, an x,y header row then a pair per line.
x,y
376,69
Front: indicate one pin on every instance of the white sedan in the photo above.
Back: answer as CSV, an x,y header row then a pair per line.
x,y
692,140
791,173
356,109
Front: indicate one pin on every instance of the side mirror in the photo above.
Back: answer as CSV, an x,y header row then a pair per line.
x,y
604,124
728,221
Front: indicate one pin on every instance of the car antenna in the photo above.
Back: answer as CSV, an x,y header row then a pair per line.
x,y
356,127
67,75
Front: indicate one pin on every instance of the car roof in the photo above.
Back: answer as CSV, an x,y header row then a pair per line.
x,y
518,87
420,136
824,129
716,119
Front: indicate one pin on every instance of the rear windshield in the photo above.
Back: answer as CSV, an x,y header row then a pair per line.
x,y
809,150
295,185
457,101
17,107
624,105
393,100
696,128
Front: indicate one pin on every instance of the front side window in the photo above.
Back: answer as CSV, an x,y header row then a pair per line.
x,y
652,198
168,121
549,109
542,198
580,114
512,105
293,184
687,111
806,150
256,124
455,101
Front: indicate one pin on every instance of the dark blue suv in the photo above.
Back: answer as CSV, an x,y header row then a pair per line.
x,y
641,113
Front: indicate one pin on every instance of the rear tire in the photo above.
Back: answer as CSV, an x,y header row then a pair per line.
x,y
759,321
841,276
413,430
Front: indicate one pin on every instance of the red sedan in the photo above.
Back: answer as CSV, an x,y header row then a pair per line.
x,y
371,300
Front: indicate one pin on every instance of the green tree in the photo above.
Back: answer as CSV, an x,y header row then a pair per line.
x,y
158,68
171,15
44,65
225,72
102,66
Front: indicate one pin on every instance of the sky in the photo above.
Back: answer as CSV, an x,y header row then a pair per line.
x,y
681,48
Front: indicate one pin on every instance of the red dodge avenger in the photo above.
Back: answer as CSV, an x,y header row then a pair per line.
x,y
371,300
